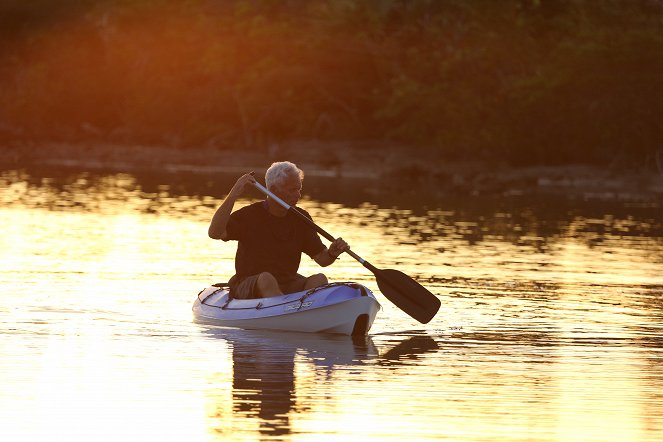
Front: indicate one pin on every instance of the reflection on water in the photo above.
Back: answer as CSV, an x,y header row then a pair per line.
x,y
264,384
550,326
263,378
264,390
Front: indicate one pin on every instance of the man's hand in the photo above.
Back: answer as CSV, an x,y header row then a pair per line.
x,y
240,185
217,228
328,256
337,247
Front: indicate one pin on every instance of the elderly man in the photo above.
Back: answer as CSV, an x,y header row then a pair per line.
x,y
271,239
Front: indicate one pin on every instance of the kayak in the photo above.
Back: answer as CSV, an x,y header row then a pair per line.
x,y
343,307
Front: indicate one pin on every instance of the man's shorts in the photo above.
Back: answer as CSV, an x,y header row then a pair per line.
x,y
246,288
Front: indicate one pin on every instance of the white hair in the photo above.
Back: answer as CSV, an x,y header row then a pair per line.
x,y
280,171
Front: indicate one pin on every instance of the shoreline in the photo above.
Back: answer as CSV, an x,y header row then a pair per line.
x,y
395,168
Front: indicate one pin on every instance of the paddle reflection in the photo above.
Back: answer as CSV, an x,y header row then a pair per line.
x,y
264,367
409,349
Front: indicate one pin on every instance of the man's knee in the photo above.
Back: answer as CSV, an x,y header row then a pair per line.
x,y
267,285
316,280
266,277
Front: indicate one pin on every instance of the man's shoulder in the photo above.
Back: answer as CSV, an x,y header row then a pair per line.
x,y
249,209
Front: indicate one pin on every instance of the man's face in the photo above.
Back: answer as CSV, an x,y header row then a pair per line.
x,y
290,190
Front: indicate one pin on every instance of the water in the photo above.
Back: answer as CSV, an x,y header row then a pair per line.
x,y
550,327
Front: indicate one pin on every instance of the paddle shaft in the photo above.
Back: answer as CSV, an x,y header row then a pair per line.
x,y
313,225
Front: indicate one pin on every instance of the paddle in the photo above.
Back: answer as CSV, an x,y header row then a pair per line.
x,y
403,291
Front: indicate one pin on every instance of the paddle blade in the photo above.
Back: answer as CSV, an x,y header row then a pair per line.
x,y
407,294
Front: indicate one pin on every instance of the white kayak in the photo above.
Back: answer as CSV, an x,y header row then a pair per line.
x,y
344,307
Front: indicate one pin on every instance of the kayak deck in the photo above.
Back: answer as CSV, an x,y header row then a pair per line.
x,y
344,307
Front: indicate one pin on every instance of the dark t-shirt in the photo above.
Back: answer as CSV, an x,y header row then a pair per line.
x,y
268,243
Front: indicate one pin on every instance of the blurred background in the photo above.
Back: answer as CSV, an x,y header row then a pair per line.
x,y
511,82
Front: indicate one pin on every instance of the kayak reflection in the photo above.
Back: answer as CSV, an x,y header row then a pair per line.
x,y
263,385
263,378
264,367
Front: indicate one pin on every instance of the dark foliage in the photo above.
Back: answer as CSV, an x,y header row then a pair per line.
x,y
520,81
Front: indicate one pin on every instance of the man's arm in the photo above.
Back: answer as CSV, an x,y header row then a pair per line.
x,y
329,255
217,228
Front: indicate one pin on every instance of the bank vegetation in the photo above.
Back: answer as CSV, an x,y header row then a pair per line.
x,y
525,82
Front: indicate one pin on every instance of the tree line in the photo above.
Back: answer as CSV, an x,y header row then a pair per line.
x,y
518,81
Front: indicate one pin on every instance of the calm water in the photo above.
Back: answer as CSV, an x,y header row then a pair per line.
x,y
551,326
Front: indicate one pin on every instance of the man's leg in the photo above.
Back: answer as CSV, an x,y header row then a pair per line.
x,y
267,286
315,281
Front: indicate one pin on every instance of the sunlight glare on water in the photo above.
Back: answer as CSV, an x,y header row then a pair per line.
x,y
550,326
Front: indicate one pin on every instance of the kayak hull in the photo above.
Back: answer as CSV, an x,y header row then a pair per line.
x,y
342,308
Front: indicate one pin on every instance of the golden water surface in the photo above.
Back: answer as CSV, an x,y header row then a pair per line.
x,y
550,328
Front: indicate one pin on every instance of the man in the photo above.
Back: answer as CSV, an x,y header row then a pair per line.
x,y
270,238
